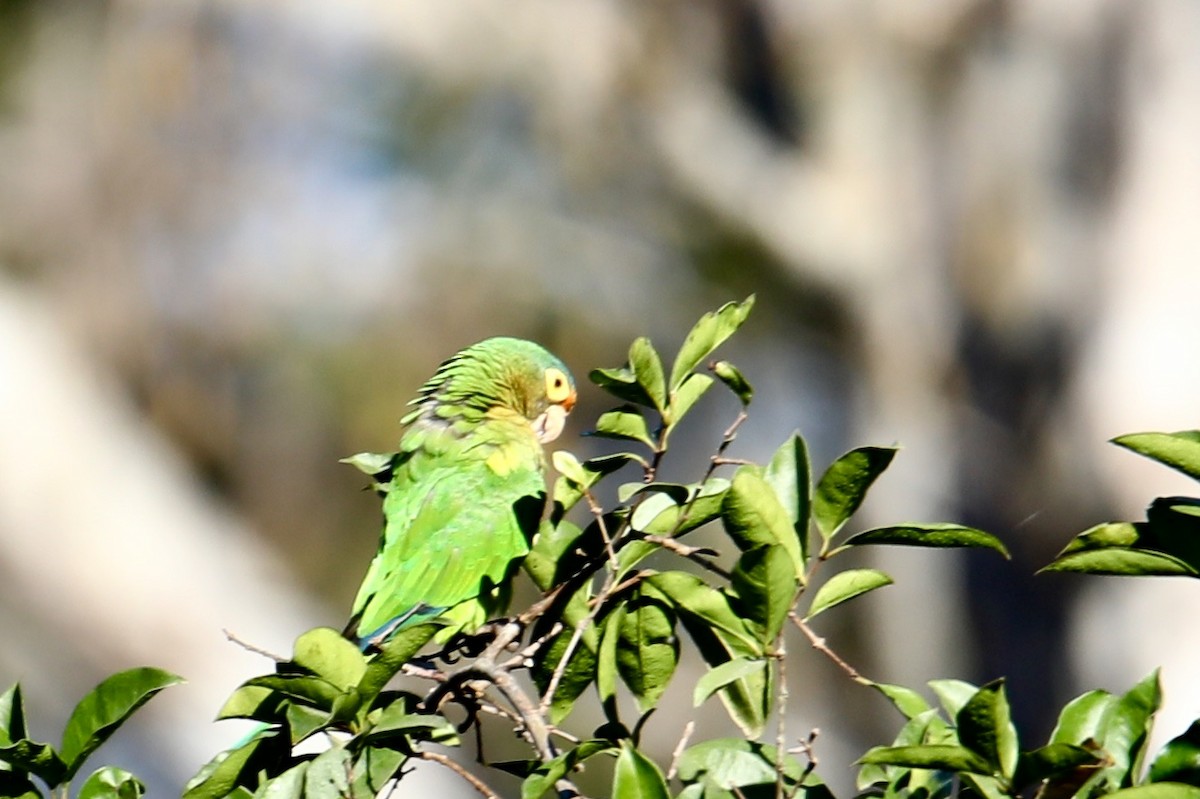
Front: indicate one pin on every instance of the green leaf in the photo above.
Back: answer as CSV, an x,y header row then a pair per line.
x,y
310,690
647,648
327,653
111,783
730,671
944,757
749,698
1126,731
1179,760
636,777
12,715
929,535
789,474
709,333
686,395
328,775
622,384
906,700
754,517
566,464
729,374
397,651
844,586
1054,761
303,721
1158,790
692,597
842,488
1121,561
1081,719
735,763
15,785
38,759
985,727
621,423
101,712
660,515
217,778
542,779
399,720
288,785
606,662
578,674
765,581
373,770
251,702
1180,451
953,695
648,370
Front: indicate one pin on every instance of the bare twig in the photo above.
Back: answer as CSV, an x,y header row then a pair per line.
x,y
252,648
818,643
698,555
781,709
476,783
688,729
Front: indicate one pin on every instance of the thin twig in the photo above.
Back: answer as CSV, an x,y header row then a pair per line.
x,y
818,643
476,783
252,648
781,709
688,729
698,555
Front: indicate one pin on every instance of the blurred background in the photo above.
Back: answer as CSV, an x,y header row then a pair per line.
x,y
235,236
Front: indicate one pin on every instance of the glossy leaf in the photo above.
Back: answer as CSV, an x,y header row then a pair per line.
x,y
687,394
606,662
635,776
622,384
648,370
765,581
1121,561
250,702
953,695
105,708
647,648
730,671
944,757
732,377
789,474
692,596
37,758
1179,760
754,516
707,334
748,698
288,785
1180,451
843,487
622,423
844,586
111,783
906,700
929,535
315,691
1082,718
326,652
1126,730
12,715
660,515
218,777
985,727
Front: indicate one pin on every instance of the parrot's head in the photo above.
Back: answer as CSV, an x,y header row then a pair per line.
x,y
503,375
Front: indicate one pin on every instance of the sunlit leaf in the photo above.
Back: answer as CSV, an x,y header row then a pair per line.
x,y
1157,790
716,678
622,384
622,423
217,778
663,516
789,474
765,581
1126,728
1180,451
374,768
542,778
736,763
12,715
328,775
842,488
686,395
1121,561
105,708
906,700
953,695
394,653
648,370
929,535
944,757
1081,719
250,702
315,691
754,516
328,654
709,333
636,777
844,586
732,377
647,648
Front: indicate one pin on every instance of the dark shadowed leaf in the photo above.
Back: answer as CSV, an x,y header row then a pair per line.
x,y
985,727
217,778
606,662
38,759
953,694
754,516
929,535
1158,790
707,334
622,384
1054,761
1179,760
101,712
732,377
543,777
12,715
1180,450
844,485
765,581
636,777
15,785
578,673
844,586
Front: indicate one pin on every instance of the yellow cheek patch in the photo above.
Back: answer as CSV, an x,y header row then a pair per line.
x,y
558,387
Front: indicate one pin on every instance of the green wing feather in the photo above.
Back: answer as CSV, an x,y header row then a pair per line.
x,y
459,512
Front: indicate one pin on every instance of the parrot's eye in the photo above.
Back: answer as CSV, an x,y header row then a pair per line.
x,y
558,388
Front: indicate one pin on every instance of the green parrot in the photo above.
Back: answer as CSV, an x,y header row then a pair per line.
x,y
466,492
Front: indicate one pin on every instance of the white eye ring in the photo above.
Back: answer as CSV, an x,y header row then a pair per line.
x,y
558,388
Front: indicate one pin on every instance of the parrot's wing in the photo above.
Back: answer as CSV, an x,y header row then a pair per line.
x,y
448,536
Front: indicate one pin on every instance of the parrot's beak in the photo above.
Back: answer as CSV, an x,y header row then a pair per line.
x,y
549,425
569,402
